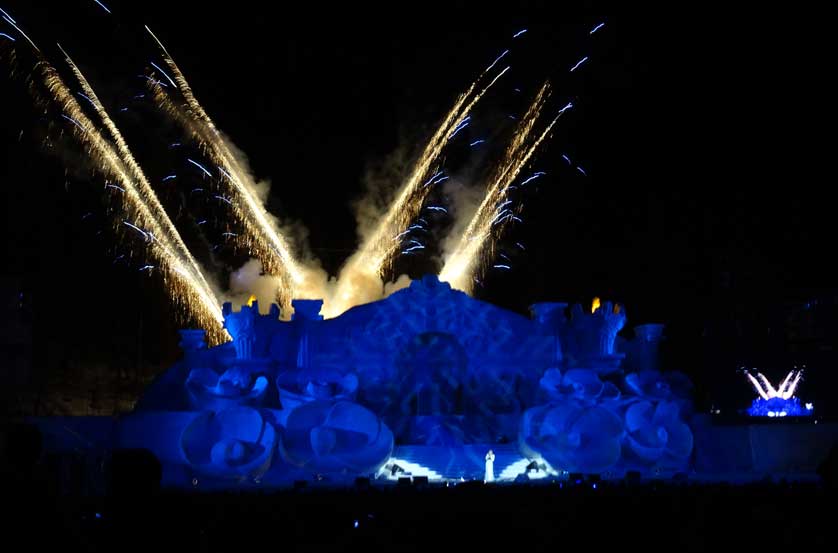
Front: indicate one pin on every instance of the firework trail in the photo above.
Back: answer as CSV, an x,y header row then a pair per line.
x,y
104,7
143,187
196,109
181,275
378,251
261,236
11,22
494,211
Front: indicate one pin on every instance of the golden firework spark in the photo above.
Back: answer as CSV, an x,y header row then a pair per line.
x,y
378,251
143,187
261,237
181,274
488,221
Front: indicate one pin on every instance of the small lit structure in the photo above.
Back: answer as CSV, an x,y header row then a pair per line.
x,y
777,402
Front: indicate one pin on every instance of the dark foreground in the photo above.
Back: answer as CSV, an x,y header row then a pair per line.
x,y
648,516
130,513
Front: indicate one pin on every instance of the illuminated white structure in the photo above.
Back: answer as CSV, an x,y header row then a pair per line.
x,y
780,401
766,391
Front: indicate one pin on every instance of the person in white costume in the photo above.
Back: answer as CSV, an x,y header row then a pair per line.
x,y
490,467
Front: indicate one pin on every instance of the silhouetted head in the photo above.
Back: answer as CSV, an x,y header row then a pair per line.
x,y
828,469
134,472
22,448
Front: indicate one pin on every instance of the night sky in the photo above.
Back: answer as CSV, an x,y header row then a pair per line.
x,y
707,204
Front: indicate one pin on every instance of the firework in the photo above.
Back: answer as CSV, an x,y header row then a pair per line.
x,y
261,236
578,63
104,7
8,19
141,183
256,231
181,274
494,211
377,252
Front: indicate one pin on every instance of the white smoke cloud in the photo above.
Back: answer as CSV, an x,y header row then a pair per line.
x,y
462,202
250,280
350,287
382,181
358,288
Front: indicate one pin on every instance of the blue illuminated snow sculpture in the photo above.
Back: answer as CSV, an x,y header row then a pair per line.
x,y
234,443
580,384
657,435
593,423
590,336
335,437
209,390
658,386
573,436
251,332
296,387
428,368
436,364
642,353
552,322
778,407
307,382
779,402
192,341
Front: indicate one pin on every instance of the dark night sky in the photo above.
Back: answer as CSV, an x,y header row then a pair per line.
x,y
700,132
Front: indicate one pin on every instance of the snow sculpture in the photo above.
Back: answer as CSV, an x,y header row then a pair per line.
x,y
572,436
657,435
209,390
592,335
234,443
336,437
